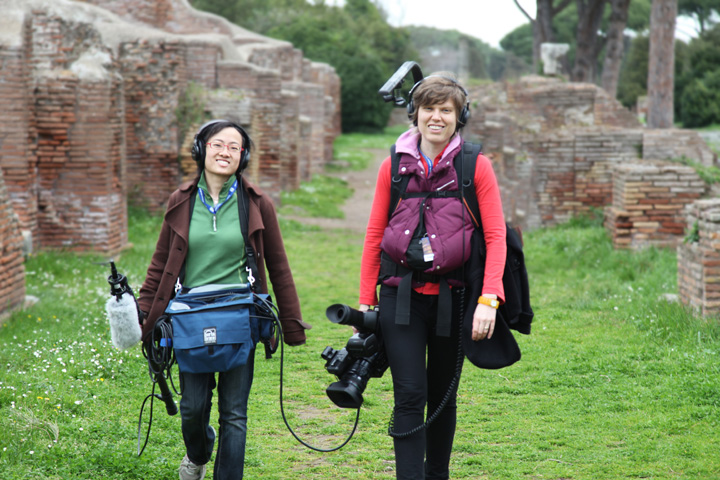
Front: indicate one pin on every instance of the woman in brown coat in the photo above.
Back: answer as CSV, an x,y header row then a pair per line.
x,y
201,231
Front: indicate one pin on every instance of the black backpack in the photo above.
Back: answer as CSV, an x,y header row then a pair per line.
x,y
516,311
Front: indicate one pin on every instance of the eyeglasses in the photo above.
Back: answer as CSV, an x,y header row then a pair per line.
x,y
218,146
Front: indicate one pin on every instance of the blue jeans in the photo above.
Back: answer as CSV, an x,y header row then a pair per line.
x,y
233,392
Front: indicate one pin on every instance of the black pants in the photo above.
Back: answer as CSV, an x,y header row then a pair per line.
x,y
423,366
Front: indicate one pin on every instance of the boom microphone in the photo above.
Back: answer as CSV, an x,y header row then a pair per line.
x,y
122,311
390,92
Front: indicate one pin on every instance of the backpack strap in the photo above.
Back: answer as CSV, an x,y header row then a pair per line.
x,y
398,183
465,169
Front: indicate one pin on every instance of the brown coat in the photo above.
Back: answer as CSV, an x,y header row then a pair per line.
x,y
265,238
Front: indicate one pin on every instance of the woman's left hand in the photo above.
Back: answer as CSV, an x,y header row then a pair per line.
x,y
483,322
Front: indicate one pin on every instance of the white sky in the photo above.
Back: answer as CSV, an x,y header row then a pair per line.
x,y
488,20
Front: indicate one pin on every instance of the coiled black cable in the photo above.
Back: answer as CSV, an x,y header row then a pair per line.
x,y
161,357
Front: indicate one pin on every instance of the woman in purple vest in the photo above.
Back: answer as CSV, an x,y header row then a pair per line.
x,y
419,299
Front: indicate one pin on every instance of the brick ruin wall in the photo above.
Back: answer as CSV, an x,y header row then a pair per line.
x,y
73,71
563,149
648,203
556,145
560,149
698,258
12,269
90,97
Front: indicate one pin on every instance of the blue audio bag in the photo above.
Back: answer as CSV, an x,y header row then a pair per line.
x,y
216,327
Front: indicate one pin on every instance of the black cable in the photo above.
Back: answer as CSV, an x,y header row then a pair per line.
x,y
161,357
271,310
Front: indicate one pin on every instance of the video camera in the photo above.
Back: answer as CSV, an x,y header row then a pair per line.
x,y
362,358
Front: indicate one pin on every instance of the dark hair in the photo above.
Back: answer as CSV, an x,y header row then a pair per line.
x,y
438,88
212,128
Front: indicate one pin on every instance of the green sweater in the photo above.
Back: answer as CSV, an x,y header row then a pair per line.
x,y
216,251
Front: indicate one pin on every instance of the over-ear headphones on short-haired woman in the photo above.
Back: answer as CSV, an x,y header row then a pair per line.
x,y
464,113
209,129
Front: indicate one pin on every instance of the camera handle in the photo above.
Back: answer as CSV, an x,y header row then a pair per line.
x,y
390,92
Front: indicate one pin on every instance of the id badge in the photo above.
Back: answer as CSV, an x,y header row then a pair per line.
x,y
428,254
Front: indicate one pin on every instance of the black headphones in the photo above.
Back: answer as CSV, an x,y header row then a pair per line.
x,y
464,113
198,147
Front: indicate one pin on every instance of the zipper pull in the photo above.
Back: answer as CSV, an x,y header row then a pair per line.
x,y
443,186
214,223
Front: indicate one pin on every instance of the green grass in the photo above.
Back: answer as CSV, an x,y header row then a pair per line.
x,y
614,383
321,197
353,150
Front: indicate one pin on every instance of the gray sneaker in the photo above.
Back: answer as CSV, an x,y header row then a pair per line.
x,y
190,471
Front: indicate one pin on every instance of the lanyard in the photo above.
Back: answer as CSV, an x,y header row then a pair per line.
x,y
427,160
214,210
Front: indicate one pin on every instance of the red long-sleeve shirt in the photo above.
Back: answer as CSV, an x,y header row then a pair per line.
x,y
493,222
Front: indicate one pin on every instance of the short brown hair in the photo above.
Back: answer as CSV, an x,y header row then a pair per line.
x,y
438,88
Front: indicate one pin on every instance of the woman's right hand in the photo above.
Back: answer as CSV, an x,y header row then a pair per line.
x,y
363,308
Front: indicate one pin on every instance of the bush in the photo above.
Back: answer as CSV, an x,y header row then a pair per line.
x,y
700,101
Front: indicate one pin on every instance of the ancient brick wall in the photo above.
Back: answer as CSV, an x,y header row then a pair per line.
x,y
92,118
77,133
555,146
154,77
81,201
676,143
699,258
648,203
12,270
84,59
17,136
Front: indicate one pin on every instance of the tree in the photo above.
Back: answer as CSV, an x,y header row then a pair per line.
x,y
615,46
519,42
542,25
633,76
697,85
590,15
661,71
356,40
701,10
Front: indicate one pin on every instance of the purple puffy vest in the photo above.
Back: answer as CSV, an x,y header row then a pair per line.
x,y
447,223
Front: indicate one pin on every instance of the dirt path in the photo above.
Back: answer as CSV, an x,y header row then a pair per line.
x,y
357,208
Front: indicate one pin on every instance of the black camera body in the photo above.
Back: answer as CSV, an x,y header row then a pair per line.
x,y
361,359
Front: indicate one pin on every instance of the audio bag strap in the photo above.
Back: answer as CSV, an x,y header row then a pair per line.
x,y
244,213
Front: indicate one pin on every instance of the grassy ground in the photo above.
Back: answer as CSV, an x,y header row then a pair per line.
x,y
614,383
